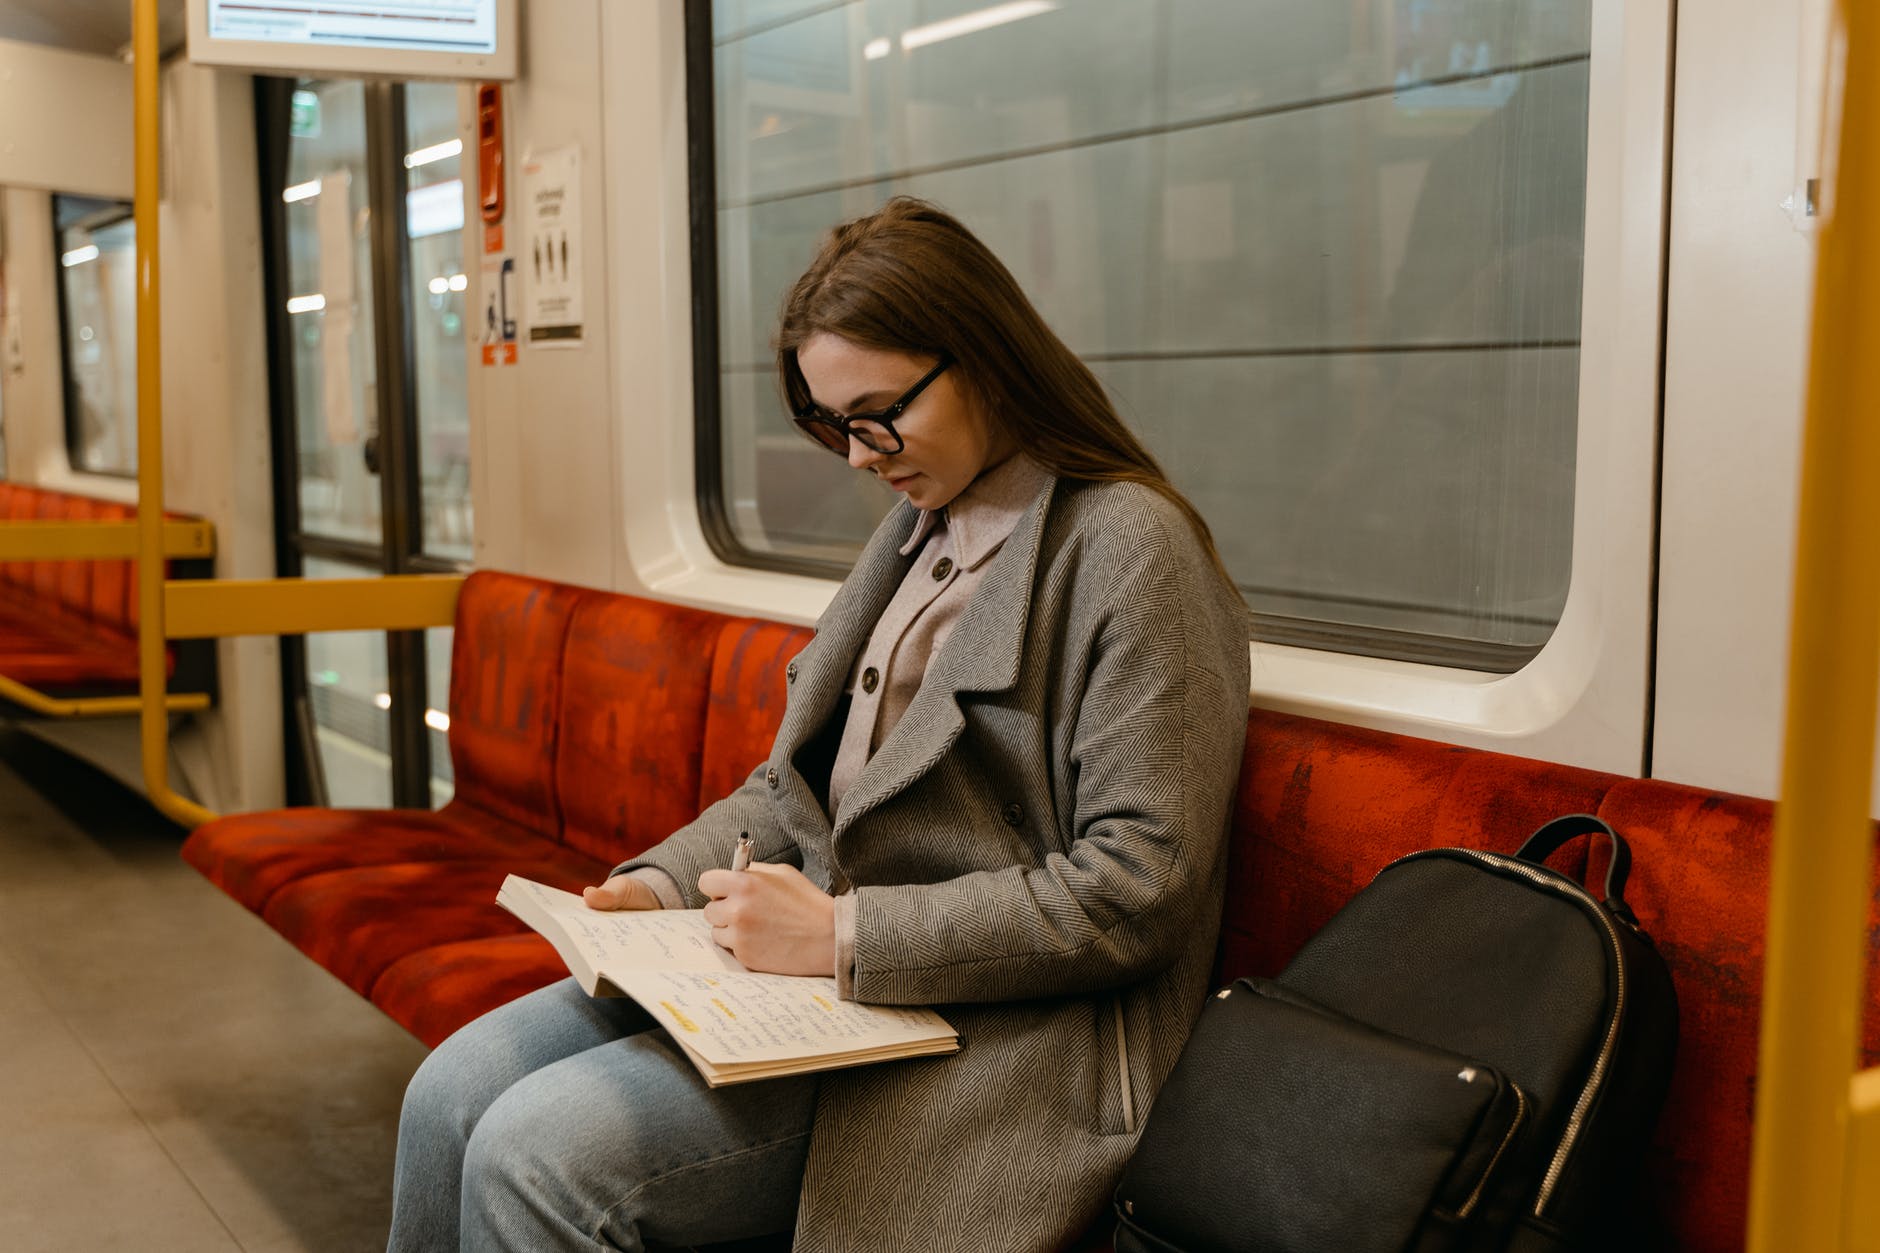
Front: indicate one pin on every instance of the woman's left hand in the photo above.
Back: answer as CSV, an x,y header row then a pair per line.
x,y
772,919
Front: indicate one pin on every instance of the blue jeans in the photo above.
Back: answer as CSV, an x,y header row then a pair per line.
x,y
560,1121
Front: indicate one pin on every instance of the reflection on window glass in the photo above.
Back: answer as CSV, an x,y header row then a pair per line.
x,y
1326,258
351,699
97,249
329,310
434,217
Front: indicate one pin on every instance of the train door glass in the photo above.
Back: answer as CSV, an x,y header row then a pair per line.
x,y
329,311
366,273
436,286
349,693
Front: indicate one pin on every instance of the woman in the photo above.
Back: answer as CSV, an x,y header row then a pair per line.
x,y
1001,786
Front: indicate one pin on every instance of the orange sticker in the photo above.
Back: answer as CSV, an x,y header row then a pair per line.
x,y
493,238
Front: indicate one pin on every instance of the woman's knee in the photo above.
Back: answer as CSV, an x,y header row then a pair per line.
x,y
527,1170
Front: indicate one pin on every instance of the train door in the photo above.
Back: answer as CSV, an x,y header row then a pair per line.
x,y
363,210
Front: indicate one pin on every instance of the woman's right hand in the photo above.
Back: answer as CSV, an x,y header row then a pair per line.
x,y
623,891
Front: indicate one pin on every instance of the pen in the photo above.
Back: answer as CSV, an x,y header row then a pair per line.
x,y
741,855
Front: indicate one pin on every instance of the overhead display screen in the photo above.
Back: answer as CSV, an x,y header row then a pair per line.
x,y
415,38
411,25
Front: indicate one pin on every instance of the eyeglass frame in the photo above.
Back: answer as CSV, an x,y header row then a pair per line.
x,y
812,415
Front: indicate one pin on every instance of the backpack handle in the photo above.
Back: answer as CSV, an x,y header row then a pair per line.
x,y
1543,843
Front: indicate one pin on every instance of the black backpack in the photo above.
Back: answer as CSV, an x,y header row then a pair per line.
x,y
1470,1056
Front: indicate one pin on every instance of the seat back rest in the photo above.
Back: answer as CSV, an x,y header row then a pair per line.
x,y
22,505
505,695
111,582
75,577
46,574
1322,807
635,678
748,690
1700,886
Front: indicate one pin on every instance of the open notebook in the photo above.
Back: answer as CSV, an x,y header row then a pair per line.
x,y
734,1024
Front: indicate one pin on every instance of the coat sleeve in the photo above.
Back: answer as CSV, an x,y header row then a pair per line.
x,y
1155,753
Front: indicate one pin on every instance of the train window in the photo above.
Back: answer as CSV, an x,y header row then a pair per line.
x,y
1326,258
329,307
434,224
96,247
349,694
437,646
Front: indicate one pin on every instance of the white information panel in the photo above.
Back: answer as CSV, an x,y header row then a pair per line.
x,y
397,38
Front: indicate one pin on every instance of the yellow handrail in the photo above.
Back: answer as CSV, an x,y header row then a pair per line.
x,y
200,608
94,706
1801,1196
100,540
152,666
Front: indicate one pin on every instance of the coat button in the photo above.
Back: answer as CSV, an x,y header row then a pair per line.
x,y
770,778
942,568
871,679
1014,815
789,673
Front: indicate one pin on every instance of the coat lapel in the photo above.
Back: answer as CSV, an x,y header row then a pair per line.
x,y
981,655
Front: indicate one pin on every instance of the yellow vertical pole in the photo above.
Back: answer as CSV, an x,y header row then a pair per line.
x,y
151,663
1822,845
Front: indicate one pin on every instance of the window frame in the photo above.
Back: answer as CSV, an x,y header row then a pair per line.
x,y
1292,630
1583,701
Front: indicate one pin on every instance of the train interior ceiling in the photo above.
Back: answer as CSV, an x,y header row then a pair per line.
x,y
1477,329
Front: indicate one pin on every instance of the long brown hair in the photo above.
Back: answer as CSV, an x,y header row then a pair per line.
x,y
910,278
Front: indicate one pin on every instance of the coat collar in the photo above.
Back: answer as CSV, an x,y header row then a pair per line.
x,y
983,516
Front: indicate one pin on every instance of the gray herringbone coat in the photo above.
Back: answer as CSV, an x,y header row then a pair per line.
x,y
1037,849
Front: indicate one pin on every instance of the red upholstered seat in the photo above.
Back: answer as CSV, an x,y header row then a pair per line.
x,y
253,856
1323,807
436,990
358,922
1700,885
505,696
67,625
746,701
636,674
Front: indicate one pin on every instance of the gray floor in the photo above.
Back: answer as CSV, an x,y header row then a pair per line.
x,y
173,1074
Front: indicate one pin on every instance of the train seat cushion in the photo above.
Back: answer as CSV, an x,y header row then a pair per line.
x,y
43,645
505,695
68,625
636,675
749,675
1323,806
436,990
253,856
359,922
1700,885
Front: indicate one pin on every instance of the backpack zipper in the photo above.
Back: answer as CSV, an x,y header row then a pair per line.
x,y
1554,883
1488,1172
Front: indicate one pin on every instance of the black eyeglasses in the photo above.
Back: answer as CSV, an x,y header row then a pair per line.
x,y
876,430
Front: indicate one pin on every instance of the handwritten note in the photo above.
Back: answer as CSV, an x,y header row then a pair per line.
x,y
737,1025
603,942
732,1017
